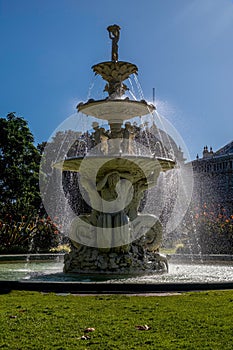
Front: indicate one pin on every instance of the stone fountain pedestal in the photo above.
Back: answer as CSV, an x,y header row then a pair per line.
x,y
130,260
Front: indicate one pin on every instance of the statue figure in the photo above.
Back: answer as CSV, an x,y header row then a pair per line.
x,y
108,200
96,135
128,139
115,191
132,141
126,135
153,237
114,35
115,136
162,259
82,232
104,141
115,89
139,188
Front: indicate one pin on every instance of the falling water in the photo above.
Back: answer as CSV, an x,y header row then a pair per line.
x,y
158,121
131,91
89,94
141,96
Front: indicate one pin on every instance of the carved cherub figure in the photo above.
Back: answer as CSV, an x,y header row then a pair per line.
x,y
104,141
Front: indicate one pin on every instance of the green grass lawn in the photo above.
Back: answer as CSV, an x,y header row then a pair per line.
x,y
32,320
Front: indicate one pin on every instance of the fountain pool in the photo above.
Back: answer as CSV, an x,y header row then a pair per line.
x,y
211,269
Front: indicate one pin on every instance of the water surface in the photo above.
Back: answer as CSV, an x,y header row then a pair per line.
x,y
178,272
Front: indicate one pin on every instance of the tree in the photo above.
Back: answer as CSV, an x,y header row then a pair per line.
x,y
19,168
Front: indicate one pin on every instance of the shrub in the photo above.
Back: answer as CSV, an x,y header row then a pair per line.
x,y
215,229
28,234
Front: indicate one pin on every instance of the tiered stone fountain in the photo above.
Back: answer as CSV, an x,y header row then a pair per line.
x,y
115,238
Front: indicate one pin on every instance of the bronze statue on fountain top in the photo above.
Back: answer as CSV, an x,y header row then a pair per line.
x,y
114,35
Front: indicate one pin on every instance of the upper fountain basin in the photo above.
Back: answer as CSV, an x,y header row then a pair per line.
x,y
115,71
115,110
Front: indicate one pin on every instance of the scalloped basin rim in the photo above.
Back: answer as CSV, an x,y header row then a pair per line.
x,y
115,110
112,63
131,67
147,164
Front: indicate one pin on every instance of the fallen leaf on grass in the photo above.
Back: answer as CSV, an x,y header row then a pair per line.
x,y
85,337
143,328
89,329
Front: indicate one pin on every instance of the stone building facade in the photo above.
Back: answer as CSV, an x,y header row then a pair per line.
x,y
213,178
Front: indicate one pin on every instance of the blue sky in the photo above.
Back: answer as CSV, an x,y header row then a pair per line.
x,y
183,49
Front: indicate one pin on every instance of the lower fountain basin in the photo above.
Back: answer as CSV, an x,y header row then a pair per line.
x,y
49,269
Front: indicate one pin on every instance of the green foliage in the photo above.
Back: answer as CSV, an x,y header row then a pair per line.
x,y
28,234
23,224
215,228
46,235
19,167
31,320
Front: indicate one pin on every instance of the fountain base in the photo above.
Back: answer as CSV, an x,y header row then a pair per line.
x,y
130,259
